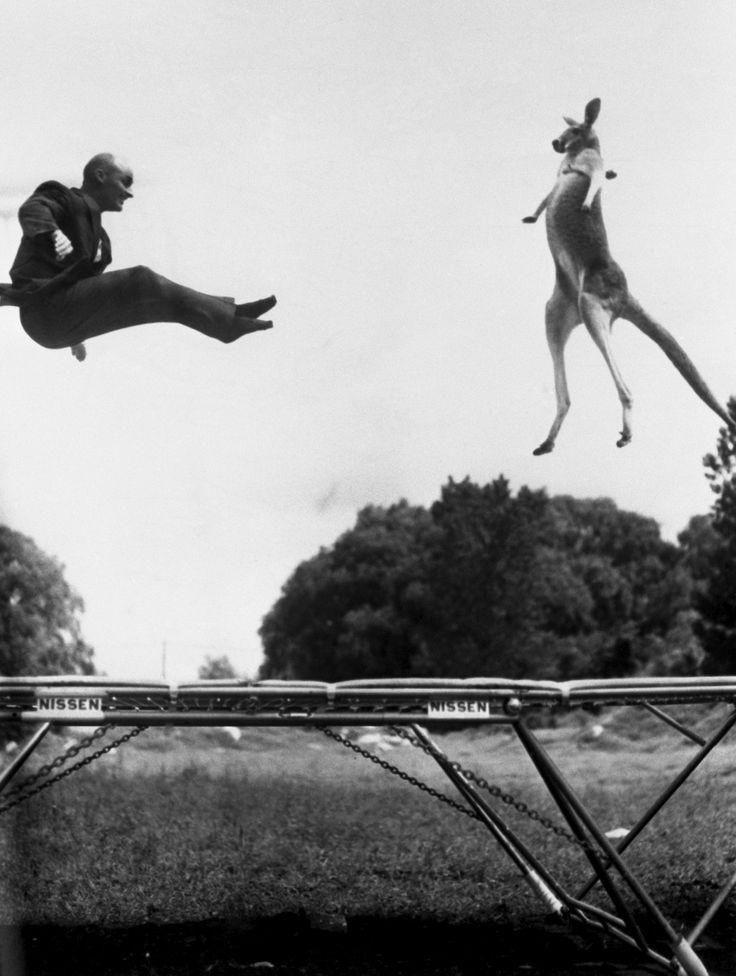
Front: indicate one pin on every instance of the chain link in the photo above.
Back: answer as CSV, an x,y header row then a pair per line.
x,y
57,763
31,785
495,791
395,771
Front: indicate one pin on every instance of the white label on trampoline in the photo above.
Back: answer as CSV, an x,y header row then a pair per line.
x,y
458,709
68,706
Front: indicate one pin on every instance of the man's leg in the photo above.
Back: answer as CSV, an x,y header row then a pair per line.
x,y
135,296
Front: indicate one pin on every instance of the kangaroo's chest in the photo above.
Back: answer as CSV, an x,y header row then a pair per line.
x,y
576,237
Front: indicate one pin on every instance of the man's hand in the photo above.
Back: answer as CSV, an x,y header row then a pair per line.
x,y
62,245
79,352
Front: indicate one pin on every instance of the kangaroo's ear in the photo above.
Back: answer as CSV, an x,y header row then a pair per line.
x,y
569,121
591,111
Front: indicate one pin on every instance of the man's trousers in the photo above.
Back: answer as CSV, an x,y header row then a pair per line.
x,y
119,299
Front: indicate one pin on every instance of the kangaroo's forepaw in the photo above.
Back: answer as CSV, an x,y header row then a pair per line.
x,y
528,220
624,439
546,448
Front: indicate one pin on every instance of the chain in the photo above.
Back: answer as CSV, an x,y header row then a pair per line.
x,y
24,791
395,771
494,791
57,763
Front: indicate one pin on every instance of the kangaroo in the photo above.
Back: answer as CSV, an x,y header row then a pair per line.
x,y
590,287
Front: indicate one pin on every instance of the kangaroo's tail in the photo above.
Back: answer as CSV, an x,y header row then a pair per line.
x,y
635,314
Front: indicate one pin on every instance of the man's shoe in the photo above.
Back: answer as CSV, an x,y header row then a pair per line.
x,y
252,310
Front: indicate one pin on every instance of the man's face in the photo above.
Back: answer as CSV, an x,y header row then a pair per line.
x,y
114,187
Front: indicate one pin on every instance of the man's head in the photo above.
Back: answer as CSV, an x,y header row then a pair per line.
x,y
107,181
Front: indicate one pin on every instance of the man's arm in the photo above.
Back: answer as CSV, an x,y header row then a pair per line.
x,y
41,214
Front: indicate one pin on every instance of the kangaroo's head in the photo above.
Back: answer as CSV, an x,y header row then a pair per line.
x,y
579,135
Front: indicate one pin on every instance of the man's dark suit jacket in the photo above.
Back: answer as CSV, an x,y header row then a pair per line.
x,y
36,272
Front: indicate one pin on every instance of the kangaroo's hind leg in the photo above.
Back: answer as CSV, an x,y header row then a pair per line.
x,y
561,317
598,321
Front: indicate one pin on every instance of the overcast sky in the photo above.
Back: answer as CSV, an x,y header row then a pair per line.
x,y
370,163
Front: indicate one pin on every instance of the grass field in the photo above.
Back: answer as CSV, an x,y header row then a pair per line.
x,y
189,827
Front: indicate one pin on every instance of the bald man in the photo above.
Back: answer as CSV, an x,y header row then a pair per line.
x,y
58,284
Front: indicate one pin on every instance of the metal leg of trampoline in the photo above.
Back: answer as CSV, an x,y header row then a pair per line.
x,y
668,792
579,828
9,772
718,901
541,881
673,723
575,813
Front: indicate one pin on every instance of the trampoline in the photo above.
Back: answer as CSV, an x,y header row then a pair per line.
x,y
414,708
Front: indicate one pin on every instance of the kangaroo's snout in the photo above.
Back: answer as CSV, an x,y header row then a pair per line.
x,y
558,146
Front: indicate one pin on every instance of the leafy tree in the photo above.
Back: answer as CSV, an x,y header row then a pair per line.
x,y
486,582
216,668
717,599
638,584
699,544
40,629
552,588
357,608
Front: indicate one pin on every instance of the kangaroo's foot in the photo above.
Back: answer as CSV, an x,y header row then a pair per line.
x,y
546,448
528,220
252,310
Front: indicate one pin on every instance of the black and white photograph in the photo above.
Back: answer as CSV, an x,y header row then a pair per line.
x,y
368,488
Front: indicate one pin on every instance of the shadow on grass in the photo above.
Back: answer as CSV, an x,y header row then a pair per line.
x,y
290,944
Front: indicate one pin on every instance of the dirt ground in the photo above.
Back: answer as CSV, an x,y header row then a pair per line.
x,y
298,946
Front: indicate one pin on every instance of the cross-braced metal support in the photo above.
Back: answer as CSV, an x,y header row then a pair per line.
x,y
409,705
591,840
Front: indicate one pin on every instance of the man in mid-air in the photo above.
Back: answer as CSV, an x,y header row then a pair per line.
x,y
58,284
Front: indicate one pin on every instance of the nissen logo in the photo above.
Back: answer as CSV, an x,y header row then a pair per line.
x,y
458,709
70,704
57,705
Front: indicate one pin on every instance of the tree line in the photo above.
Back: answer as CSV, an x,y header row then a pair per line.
x,y
40,614
490,582
484,581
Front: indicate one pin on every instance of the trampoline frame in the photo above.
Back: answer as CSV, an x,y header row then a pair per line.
x,y
413,704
